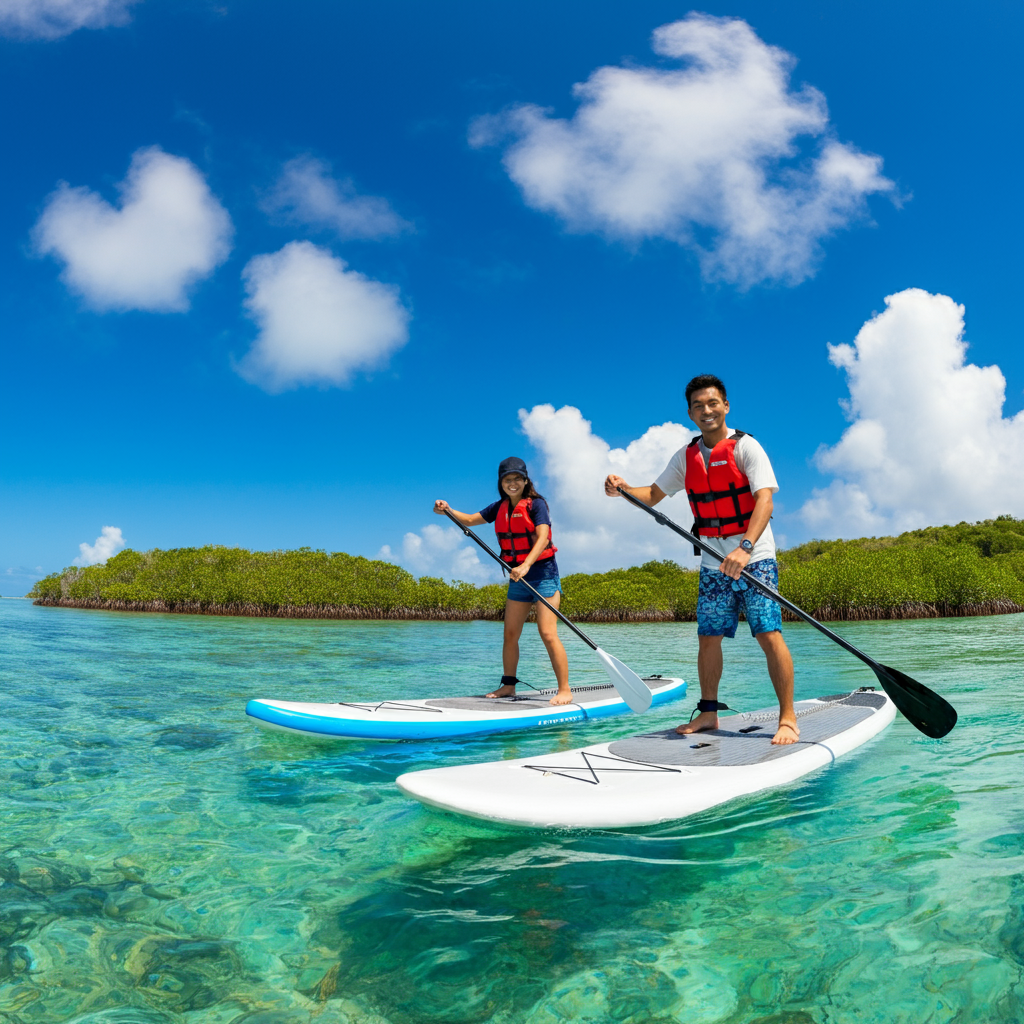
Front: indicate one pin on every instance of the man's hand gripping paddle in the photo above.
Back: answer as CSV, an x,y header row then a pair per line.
x,y
629,686
923,708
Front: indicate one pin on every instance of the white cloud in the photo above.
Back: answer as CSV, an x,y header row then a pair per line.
x,y
307,194
52,19
168,233
928,443
107,543
592,532
442,551
595,532
706,156
319,323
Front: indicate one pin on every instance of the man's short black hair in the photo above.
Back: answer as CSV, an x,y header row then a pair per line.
x,y
704,380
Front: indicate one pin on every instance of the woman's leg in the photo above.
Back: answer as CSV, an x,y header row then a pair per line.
x,y
547,626
516,613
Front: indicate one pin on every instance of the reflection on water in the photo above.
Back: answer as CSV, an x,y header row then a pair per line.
x,y
163,862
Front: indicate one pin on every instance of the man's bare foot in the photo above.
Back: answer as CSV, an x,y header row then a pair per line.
x,y
562,697
788,733
503,691
704,722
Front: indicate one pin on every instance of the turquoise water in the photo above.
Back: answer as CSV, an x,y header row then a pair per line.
x,y
163,861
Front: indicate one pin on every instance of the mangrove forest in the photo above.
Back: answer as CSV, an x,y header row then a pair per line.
x,y
967,569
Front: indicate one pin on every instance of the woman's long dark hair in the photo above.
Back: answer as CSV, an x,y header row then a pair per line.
x,y
529,491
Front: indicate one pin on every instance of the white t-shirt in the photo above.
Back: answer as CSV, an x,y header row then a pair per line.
x,y
752,461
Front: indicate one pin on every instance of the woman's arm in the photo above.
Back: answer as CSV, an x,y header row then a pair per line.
x,y
543,533
466,518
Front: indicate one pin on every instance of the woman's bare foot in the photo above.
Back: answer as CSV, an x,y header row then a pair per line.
x,y
507,690
788,732
562,697
704,722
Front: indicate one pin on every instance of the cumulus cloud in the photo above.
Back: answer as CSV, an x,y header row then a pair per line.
x,y
593,532
928,442
307,194
708,156
319,322
52,19
168,233
107,543
442,551
598,532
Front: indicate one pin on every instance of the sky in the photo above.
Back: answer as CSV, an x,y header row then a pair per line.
x,y
279,275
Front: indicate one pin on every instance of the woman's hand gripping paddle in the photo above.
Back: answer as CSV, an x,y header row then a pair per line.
x,y
629,686
923,708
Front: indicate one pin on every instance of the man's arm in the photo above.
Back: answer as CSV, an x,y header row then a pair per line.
x,y
736,561
649,495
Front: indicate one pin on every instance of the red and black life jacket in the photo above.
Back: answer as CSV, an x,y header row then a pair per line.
x,y
719,493
517,533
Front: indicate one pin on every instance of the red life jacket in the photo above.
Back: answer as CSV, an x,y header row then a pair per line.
x,y
517,533
718,491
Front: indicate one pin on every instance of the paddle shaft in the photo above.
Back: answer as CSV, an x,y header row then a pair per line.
x,y
750,578
469,533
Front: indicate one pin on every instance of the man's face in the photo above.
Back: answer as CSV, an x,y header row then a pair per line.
x,y
708,409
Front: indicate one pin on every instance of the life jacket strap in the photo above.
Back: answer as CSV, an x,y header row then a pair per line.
x,y
711,524
732,492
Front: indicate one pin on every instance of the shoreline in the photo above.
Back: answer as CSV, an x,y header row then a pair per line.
x,y
827,613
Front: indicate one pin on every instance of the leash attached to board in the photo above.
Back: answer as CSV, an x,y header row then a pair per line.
x,y
923,708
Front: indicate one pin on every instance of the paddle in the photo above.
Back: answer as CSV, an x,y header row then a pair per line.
x,y
923,708
629,686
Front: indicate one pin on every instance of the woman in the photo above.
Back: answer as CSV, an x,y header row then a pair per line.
x,y
523,525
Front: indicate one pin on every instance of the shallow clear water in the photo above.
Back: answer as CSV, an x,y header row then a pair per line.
x,y
163,861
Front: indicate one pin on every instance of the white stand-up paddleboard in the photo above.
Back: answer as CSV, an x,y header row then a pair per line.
x,y
659,776
450,716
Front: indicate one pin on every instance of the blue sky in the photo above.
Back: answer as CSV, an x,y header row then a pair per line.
x,y
421,275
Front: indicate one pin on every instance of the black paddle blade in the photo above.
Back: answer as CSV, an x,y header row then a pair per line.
x,y
923,708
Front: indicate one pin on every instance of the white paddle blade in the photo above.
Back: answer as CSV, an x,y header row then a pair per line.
x,y
631,688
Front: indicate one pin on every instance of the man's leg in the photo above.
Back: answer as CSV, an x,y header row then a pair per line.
x,y
780,668
764,616
709,672
717,616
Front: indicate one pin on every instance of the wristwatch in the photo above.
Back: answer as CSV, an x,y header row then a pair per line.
x,y
746,546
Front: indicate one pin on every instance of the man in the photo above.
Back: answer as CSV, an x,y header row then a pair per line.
x,y
730,482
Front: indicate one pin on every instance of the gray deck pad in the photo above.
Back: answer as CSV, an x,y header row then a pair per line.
x,y
539,699
732,747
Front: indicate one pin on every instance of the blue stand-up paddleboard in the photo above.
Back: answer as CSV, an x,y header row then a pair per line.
x,y
656,777
450,716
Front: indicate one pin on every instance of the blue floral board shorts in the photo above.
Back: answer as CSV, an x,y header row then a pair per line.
x,y
720,599
519,591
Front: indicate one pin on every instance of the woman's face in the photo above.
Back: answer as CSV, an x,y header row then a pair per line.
x,y
513,485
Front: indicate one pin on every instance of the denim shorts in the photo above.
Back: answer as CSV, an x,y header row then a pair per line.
x,y
519,591
720,599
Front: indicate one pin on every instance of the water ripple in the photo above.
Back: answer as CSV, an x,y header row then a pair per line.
x,y
162,862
